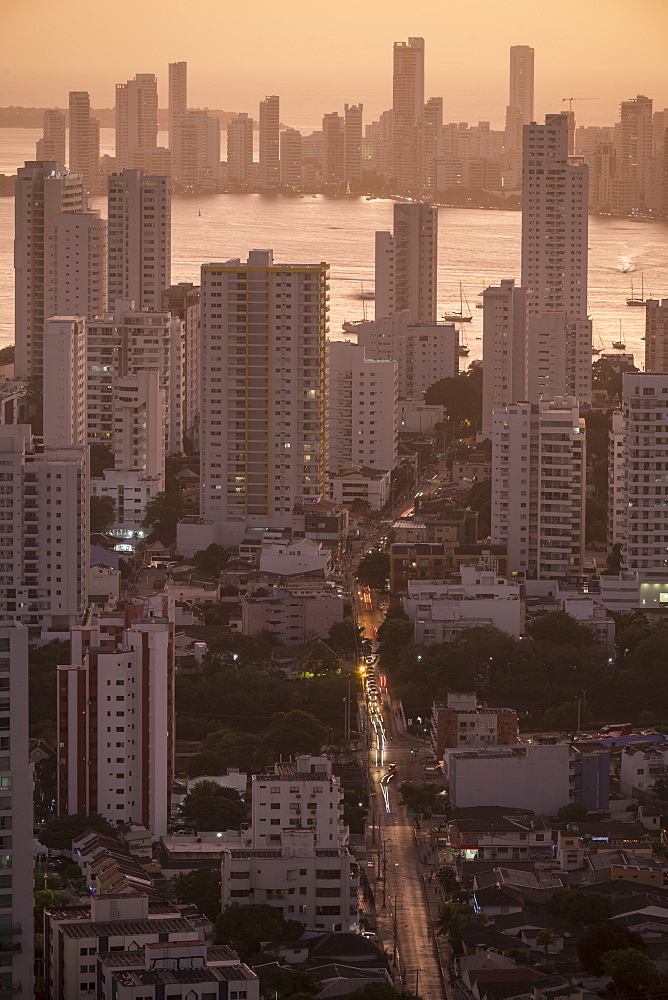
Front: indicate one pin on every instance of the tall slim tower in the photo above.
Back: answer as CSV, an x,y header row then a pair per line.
x,y
656,335
407,108
136,121
406,263
264,427
240,148
84,140
178,103
635,145
554,263
291,157
333,147
504,348
140,261
65,382
352,167
521,81
269,161
76,264
52,144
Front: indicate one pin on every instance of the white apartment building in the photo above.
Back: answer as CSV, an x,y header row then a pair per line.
x,y
16,815
269,153
352,152
240,148
440,610
656,335
407,262
554,262
178,109
640,768
290,558
76,262
362,397
52,145
422,418
84,138
518,777
291,158
645,547
315,885
634,146
136,122
116,700
538,486
355,482
139,239
504,348
43,191
424,352
294,618
616,482
263,423
199,151
64,384
190,970
303,793
44,531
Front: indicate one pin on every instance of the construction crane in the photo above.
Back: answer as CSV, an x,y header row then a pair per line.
x,y
571,99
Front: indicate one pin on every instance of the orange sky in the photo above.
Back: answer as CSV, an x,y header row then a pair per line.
x,y
316,56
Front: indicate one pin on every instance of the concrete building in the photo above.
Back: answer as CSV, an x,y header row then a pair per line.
x,y
116,722
493,833
616,482
315,885
16,779
76,265
65,382
634,142
406,263
522,777
263,423
464,722
139,239
178,109
190,970
424,352
324,521
407,109
291,158
440,610
182,301
292,558
43,191
269,153
520,110
640,768
301,794
136,122
84,158
416,417
554,263
43,569
333,145
538,486
362,397
240,149
590,776
199,152
656,335
52,145
504,347
352,155
294,619
355,482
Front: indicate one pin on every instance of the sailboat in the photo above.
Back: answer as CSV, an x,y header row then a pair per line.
x,y
461,316
463,347
641,301
619,345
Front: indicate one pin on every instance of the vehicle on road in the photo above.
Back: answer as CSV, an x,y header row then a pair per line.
x,y
391,767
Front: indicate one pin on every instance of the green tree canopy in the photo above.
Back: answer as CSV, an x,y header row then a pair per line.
x,y
604,937
379,991
7,355
558,628
201,887
102,513
59,832
278,983
423,798
243,928
294,732
461,396
226,748
343,637
374,570
451,916
42,899
579,906
209,806
212,559
101,458
631,971
164,511
574,812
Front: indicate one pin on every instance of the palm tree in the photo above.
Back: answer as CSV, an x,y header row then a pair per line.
x,y
544,938
452,915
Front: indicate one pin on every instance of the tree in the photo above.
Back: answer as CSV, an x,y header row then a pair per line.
x,y
605,937
660,786
479,498
102,513
163,512
210,806
451,916
360,506
574,812
101,458
211,560
7,355
558,628
613,563
596,520
374,570
279,983
461,396
630,970
42,900
201,887
243,928
395,634
580,907
423,798
379,991
59,832
544,938
290,733
343,636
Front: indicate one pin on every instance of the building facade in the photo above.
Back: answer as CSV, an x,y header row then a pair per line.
x,y
76,264
269,151
84,158
656,335
65,383
136,122
504,346
406,263
464,722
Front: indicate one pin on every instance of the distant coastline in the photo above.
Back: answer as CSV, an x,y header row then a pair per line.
x,y
18,117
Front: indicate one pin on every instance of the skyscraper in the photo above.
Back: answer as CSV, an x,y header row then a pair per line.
x,y
263,427
270,123
240,148
65,382
406,263
136,121
656,335
178,108
554,263
52,144
291,157
43,191
635,144
76,265
504,347
84,140
140,264
522,81
182,301
407,108
352,166
199,151
333,146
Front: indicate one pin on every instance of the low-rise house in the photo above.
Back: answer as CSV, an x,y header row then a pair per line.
x,y
497,833
641,767
478,596
291,558
294,618
356,482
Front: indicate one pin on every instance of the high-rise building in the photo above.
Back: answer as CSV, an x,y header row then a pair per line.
x,y
199,151
136,121
65,384
538,486
406,263
656,335
116,756
270,125
554,263
52,144
43,548
178,108
76,265
16,904
291,158
430,142
635,147
263,423
362,398
240,148
307,790
182,301
84,140
616,482
352,157
407,109
424,352
333,149
522,81
504,347
140,242
43,192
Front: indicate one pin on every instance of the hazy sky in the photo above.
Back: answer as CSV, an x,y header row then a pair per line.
x,y
317,56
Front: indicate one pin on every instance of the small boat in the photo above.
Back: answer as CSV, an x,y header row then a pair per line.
x,y
463,350
641,301
479,305
595,350
199,212
461,316
619,345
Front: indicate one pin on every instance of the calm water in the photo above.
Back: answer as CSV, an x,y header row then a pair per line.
x,y
475,246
